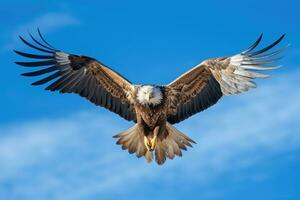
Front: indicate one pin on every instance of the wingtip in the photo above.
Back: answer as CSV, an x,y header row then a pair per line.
x,y
18,63
254,45
37,83
115,136
28,31
269,76
282,36
23,74
39,31
44,40
17,52
274,67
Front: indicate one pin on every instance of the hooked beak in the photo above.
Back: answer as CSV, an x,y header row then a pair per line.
x,y
149,96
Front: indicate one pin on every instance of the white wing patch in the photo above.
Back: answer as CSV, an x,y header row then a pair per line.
x,y
62,58
236,74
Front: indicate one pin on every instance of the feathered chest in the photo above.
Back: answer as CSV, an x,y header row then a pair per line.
x,y
151,115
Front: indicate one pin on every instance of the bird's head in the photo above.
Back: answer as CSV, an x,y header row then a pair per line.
x,y
149,95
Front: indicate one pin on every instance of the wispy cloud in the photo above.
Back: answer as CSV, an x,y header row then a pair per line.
x,y
47,22
75,157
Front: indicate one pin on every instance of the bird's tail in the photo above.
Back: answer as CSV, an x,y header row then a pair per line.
x,y
166,146
132,140
171,145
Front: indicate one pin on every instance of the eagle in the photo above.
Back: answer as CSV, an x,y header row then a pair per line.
x,y
154,109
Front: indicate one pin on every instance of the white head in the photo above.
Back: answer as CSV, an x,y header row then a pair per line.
x,y
149,95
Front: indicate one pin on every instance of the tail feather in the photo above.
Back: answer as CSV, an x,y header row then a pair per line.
x,y
160,152
132,140
149,156
172,144
166,147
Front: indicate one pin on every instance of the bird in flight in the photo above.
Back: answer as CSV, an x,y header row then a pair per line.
x,y
153,108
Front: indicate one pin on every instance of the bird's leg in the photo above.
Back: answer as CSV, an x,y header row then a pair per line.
x,y
147,143
141,126
150,142
153,139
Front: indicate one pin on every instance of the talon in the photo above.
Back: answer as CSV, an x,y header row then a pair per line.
x,y
150,143
146,143
153,142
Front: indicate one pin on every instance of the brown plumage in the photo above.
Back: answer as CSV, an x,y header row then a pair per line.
x,y
152,108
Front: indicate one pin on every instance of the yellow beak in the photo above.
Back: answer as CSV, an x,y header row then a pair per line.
x,y
148,97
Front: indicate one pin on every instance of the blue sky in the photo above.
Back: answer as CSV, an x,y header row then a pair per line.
x,y
55,146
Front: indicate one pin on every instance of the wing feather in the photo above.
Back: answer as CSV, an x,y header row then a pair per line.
x,y
70,73
205,84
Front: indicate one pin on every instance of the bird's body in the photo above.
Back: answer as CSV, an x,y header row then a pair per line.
x,y
150,105
154,109
150,110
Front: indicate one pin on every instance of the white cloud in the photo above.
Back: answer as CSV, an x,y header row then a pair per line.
x,y
47,22
75,157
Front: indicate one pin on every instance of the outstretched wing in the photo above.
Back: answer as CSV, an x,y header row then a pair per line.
x,y
69,73
205,84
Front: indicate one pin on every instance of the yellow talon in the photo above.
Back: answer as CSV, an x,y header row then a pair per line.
x,y
153,142
150,143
